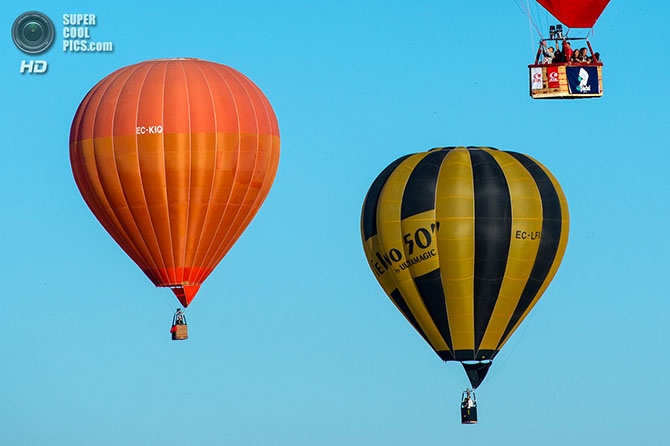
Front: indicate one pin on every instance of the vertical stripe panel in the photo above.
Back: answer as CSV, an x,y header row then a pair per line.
x,y
176,151
92,119
203,142
253,175
245,156
379,261
549,241
390,238
117,161
418,228
455,212
143,173
525,238
493,223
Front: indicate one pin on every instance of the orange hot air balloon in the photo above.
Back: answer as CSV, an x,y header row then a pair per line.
x,y
174,157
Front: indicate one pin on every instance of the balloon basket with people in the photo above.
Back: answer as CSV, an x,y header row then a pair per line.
x,y
564,72
561,71
468,407
179,328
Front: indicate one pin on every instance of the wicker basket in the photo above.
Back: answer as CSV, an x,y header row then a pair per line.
x,y
561,89
179,332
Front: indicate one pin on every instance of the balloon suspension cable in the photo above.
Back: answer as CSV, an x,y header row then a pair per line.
x,y
169,301
526,10
514,346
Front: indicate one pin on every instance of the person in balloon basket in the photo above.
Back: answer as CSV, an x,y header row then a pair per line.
x,y
468,402
548,53
567,51
580,56
178,319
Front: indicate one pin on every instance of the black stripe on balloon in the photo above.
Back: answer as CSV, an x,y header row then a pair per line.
x,y
419,196
369,213
399,301
446,355
549,240
419,193
432,294
493,229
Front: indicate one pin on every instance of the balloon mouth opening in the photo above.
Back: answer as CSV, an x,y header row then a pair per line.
x,y
185,293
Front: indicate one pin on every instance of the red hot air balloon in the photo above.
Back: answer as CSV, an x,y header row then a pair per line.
x,y
575,13
563,70
174,157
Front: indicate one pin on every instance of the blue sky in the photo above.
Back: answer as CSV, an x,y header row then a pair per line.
x,y
292,340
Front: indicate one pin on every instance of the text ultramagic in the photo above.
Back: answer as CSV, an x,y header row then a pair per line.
x,y
420,240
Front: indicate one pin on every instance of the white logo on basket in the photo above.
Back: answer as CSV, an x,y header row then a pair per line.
x,y
583,79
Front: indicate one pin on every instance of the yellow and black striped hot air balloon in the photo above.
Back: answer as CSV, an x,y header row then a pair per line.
x,y
464,240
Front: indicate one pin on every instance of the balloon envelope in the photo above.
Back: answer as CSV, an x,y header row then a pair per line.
x,y
575,13
174,157
465,241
